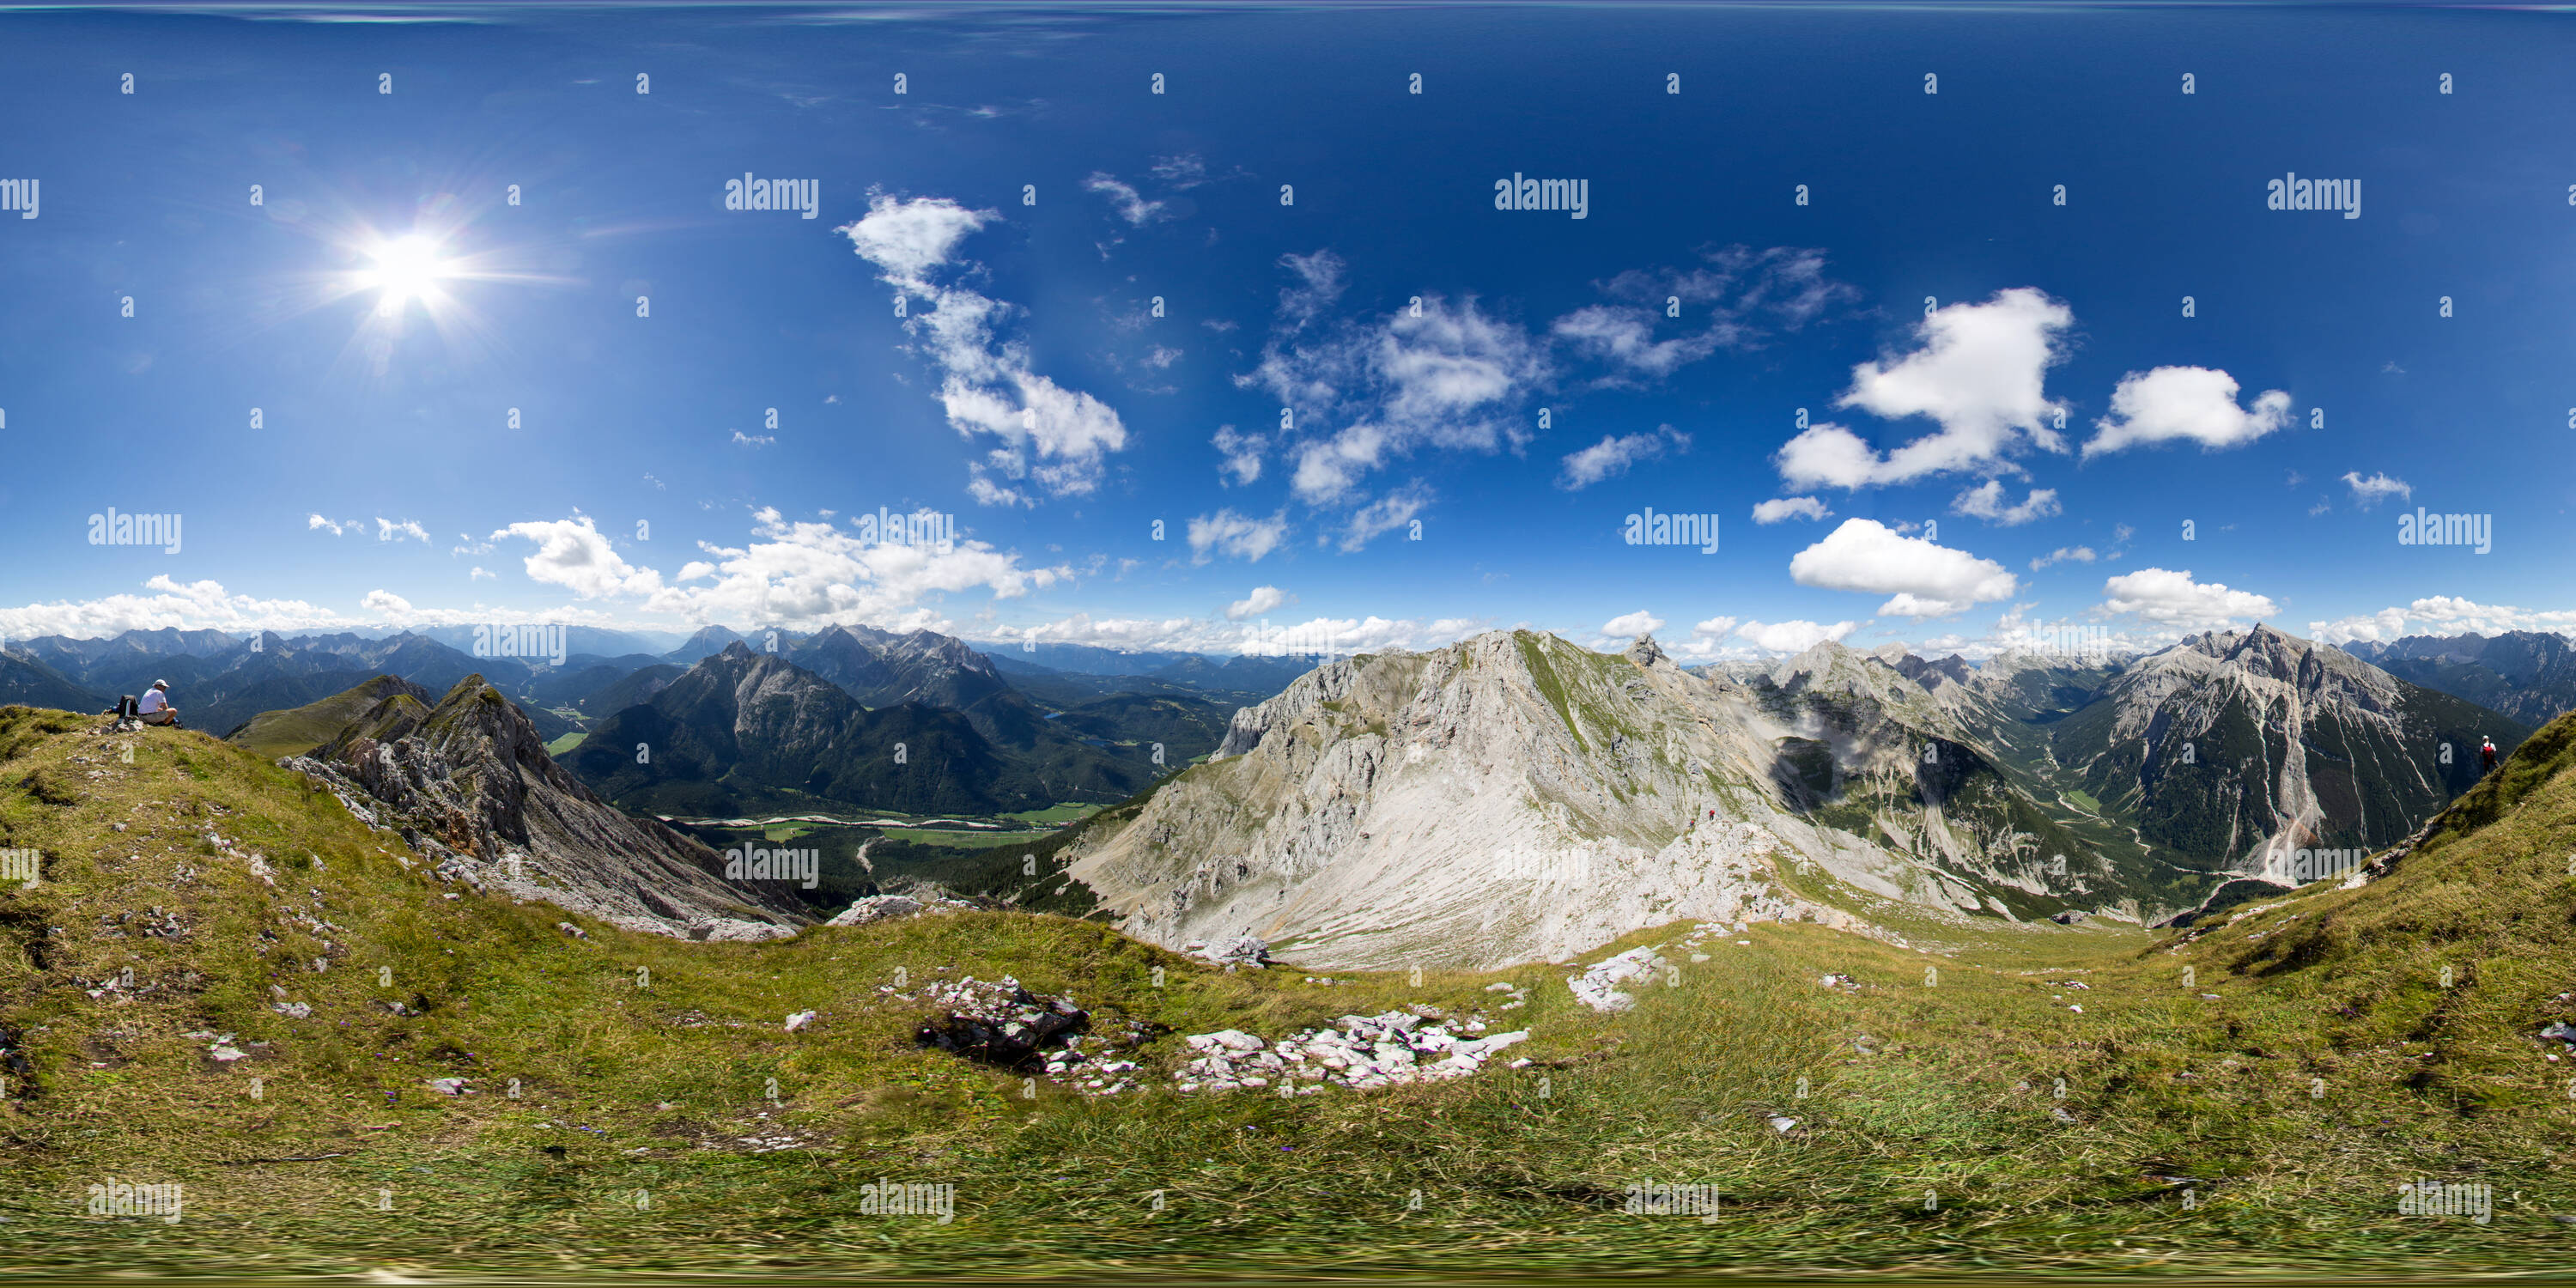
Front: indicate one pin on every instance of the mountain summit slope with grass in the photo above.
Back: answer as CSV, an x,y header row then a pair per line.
x,y
297,730
223,980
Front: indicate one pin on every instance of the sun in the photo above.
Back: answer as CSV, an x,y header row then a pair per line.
x,y
406,269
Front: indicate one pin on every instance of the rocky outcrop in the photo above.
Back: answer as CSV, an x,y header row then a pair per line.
x,y
1000,1024
469,783
1359,1052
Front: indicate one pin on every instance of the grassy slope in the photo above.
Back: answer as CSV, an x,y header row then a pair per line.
x,y
297,730
1514,1168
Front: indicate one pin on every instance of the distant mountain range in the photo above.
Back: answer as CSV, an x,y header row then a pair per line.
x,y
220,682
743,731
2529,675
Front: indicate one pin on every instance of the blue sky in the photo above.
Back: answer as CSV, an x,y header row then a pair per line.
x,y
1029,392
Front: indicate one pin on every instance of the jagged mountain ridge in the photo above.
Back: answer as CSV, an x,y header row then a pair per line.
x,y
469,784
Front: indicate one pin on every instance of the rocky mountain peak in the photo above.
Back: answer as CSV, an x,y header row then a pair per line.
x,y
470,785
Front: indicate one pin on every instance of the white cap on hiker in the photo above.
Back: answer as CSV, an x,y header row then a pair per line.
x,y
160,684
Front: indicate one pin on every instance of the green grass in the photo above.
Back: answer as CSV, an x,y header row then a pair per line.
x,y
565,742
1064,812
651,1087
294,732
963,839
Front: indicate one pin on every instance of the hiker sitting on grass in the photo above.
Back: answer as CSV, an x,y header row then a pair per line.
x,y
155,708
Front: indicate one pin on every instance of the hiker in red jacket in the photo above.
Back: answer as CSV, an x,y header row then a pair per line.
x,y
2486,758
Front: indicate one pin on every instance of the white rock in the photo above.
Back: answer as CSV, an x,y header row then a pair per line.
x,y
1225,1039
799,1020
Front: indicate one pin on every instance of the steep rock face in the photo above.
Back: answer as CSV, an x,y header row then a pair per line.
x,y
1506,798
1874,753
2233,744
470,782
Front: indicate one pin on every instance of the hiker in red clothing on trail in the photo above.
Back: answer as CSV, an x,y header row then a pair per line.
x,y
2486,757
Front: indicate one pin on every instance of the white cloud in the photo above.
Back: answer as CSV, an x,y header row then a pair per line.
x,y
810,574
1713,628
1396,509
987,492
2193,403
1986,501
1737,290
388,530
1922,578
1236,536
572,553
478,573
2064,554
1623,336
1978,371
2442,615
1055,436
1615,453
907,239
2377,488
198,605
1632,625
1262,599
313,521
1185,171
1241,453
1369,391
387,603
741,439
2385,626
1792,637
1132,206
1340,636
2170,598
1790,507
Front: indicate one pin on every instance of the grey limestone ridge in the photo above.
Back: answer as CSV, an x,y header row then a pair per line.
x,y
470,785
1515,797
1509,797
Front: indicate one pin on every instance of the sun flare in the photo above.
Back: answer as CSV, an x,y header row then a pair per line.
x,y
405,269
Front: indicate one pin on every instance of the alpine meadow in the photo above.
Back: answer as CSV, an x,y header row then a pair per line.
x,y
1286,642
